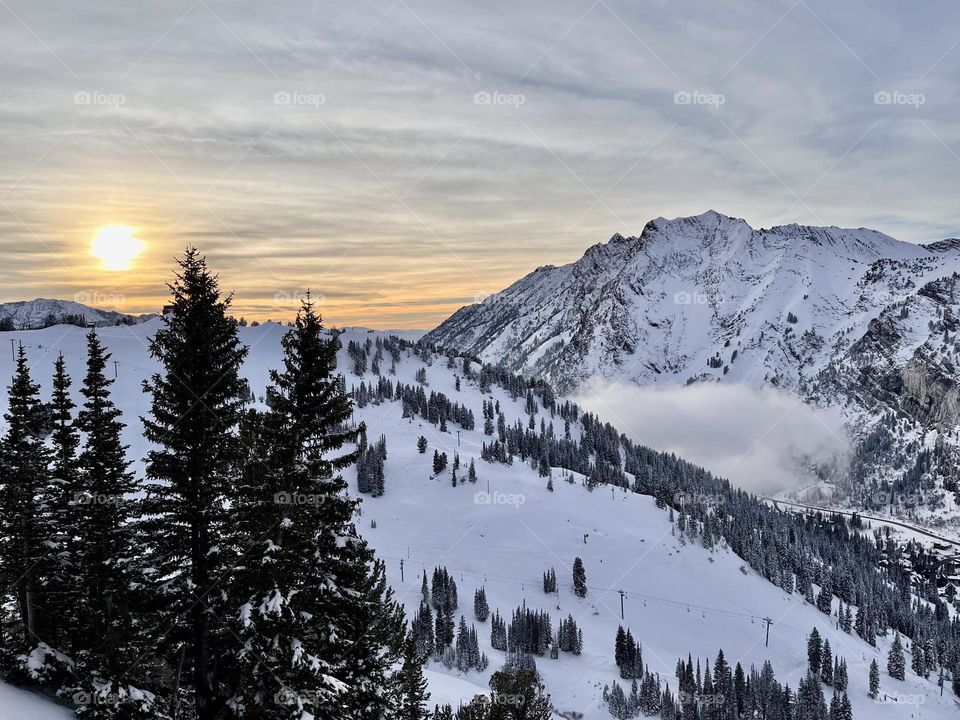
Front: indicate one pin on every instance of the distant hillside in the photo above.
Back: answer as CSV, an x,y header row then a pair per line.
x,y
44,312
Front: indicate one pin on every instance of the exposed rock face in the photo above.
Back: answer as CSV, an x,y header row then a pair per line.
x,y
929,395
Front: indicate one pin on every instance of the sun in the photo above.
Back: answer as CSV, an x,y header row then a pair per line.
x,y
115,246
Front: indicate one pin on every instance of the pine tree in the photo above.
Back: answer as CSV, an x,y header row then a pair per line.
x,y
918,660
64,474
463,646
579,578
895,661
826,663
811,705
825,597
543,466
617,702
107,548
421,445
26,502
550,581
498,632
840,675
845,711
195,410
423,631
439,462
480,608
620,647
814,649
874,679
413,695
311,562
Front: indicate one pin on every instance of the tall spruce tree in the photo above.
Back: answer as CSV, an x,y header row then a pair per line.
x,y
66,489
197,401
811,704
26,500
895,660
106,549
319,626
579,578
412,687
814,651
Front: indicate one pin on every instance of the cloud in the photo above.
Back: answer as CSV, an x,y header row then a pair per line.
x,y
762,440
399,176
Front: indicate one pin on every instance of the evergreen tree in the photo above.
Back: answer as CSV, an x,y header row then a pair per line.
x,y
825,597
895,661
423,632
918,660
306,560
498,632
840,675
106,549
480,608
845,710
421,445
195,410
26,502
579,578
814,650
543,466
874,679
413,695
811,705
66,490
550,581
826,663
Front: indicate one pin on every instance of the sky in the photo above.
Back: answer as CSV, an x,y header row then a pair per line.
x,y
404,158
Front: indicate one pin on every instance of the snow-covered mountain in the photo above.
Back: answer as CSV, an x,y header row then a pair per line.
x,y
660,307
506,529
845,317
43,312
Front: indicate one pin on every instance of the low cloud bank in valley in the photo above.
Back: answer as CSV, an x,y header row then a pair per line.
x,y
763,440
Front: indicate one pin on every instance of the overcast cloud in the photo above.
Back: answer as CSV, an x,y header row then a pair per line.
x,y
403,157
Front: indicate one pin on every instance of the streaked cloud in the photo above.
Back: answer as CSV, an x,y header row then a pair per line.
x,y
399,157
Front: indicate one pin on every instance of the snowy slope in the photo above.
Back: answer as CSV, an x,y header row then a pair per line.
x,y
17,704
679,598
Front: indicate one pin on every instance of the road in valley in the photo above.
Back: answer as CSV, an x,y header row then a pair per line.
x,y
887,521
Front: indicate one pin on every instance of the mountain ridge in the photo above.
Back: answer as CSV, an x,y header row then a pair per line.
x,y
43,312
846,317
